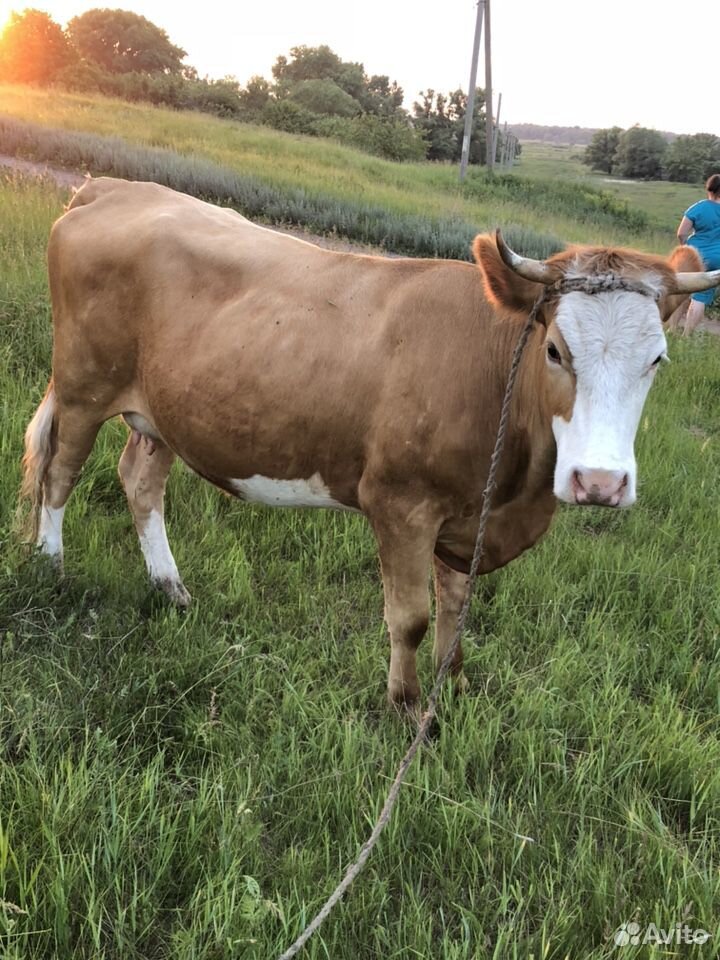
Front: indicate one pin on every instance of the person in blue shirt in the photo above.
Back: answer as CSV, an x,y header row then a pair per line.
x,y
700,228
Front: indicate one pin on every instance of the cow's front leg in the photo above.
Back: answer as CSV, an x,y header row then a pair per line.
x,y
450,587
405,542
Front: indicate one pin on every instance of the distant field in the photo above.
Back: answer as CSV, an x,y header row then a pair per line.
x,y
338,172
664,202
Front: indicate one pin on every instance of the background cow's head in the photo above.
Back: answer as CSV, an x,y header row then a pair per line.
x,y
603,342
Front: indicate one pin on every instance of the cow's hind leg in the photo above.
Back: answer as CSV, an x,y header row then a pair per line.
x,y
144,467
450,587
57,444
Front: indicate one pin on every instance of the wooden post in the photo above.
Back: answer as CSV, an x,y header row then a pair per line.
x,y
496,129
489,137
467,132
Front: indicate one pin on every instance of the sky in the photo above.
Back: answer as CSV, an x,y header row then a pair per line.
x,y
590,63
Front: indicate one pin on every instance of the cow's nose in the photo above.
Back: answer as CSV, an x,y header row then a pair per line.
x,y
600,487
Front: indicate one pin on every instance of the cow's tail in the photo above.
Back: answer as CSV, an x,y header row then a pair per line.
x,y
39,448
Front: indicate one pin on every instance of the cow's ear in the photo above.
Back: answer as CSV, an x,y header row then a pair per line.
x,y
681,260
503,287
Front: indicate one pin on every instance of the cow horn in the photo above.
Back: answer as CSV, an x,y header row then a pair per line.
x,y
695,282
536,270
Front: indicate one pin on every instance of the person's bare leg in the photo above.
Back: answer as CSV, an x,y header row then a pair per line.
x,y
695,314
677,318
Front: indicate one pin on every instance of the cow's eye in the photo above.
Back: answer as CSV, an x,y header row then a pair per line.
x,y
658,360
553,354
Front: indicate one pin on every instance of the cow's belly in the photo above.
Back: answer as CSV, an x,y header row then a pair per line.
x,y
299,469
312,492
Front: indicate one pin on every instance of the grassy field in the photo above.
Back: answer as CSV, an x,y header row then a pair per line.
x,y
340,173
192,786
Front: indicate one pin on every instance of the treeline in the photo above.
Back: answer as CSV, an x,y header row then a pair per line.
x,y
312,91
642,154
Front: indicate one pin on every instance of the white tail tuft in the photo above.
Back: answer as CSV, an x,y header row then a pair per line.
x,y
39,448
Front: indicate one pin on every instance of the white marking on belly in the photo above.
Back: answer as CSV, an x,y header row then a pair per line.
x,y
50,533
156,550
286,493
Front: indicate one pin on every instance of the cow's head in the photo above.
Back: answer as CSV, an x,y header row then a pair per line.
x,y
603,341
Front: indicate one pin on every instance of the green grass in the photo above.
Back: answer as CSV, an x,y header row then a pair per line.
x,y
341,174
194,786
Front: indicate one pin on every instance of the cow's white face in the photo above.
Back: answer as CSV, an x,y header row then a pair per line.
x,y
608,346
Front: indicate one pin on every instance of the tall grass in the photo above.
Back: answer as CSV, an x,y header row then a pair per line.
x,y
192,786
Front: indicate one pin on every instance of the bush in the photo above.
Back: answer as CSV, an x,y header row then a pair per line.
x,y
324,97
582,203
220,97
384,137
288,116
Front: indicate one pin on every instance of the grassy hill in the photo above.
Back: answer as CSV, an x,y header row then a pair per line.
x,y
582,213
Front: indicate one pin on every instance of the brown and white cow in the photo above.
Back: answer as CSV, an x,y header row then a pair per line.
x,y
296,376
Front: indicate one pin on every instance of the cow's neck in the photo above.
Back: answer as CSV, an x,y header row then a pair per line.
x,y
530,444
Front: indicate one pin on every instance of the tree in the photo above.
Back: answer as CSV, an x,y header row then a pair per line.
x,y
640,153
438,129
383,98
351,78
600,152
309,65
33,48
124,42
441,120
305,63
255,94
693,158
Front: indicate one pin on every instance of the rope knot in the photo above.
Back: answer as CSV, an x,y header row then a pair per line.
x,y
599,283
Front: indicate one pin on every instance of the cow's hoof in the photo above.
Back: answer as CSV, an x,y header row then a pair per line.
x,y
53,558
461,684
404,700
408,711
175,592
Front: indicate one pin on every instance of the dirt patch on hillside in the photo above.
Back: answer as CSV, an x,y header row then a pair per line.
x,y
63,178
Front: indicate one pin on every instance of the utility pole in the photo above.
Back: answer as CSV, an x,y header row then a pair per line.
x,y
467,133
489,138
496,130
